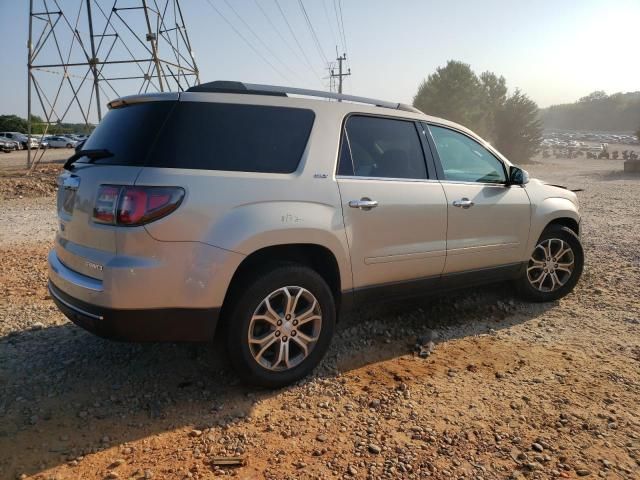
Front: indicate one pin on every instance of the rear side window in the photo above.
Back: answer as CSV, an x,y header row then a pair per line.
x,y
381,147
244,138
129,132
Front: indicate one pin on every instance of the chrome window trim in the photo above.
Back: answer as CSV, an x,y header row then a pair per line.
x,y
486,184
387,179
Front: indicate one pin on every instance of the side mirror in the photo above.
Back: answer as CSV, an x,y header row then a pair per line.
x,y
518,176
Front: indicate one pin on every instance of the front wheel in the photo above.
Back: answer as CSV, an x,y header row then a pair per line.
x,y
280,328
555,265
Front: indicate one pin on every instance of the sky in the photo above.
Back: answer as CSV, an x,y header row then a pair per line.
x,y
554,51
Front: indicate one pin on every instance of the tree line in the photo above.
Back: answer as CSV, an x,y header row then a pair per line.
x,y
482,103
619,112
14,123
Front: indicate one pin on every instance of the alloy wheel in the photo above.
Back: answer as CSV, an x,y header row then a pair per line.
x,y
285,328
551,265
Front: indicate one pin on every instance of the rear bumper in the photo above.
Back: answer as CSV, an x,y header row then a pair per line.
x,y
150,325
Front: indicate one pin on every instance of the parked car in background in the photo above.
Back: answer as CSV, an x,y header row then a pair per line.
x,y
61,142
8,145
21,138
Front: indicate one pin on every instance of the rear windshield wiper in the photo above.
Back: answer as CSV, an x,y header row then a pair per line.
x,y
92,154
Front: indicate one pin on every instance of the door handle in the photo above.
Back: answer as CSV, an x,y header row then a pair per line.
x,y
463,203
363,204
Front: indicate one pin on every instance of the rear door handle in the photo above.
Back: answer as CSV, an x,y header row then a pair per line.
x,y
363,204
463,203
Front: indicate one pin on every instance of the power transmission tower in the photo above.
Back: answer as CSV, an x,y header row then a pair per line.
x,y
339,75
86,52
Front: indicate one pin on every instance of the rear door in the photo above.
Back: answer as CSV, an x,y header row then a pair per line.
x,y
488,220
395,214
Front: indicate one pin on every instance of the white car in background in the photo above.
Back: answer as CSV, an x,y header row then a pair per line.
x,y
61,142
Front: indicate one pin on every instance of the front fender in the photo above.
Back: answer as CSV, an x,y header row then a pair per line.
x,y
550,209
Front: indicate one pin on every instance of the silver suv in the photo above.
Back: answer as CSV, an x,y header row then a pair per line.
x,y
262,213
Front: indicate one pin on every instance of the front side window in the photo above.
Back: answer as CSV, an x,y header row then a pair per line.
x,y
381,147
464,159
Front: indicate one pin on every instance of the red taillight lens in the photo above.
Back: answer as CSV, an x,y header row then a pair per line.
x,y
135,205
132,206
105,207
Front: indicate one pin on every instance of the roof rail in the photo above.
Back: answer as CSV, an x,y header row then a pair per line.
x,y
258,89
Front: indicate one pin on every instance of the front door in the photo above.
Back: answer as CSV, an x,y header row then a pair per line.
x,y
488,220
394,215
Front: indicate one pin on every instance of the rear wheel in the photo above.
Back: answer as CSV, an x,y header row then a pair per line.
x,y
281,326
555,265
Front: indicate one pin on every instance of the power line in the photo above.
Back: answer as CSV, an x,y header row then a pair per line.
x,y
295,38
344,37
340,22
260,39
255,50
326,14
313,32
288,44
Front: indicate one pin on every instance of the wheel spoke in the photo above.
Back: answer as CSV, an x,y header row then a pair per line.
x,y
267,303
303,345
540,280
308,319
267,318
306,338
292,302
565,267
283,355
271,341
310,311
563,252
556,280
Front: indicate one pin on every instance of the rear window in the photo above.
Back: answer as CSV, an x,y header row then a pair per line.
x,y
245,138
129,132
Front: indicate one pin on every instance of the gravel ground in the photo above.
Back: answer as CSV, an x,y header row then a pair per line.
x,y
511,390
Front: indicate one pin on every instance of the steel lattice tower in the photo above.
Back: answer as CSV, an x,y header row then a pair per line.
x,y
84,53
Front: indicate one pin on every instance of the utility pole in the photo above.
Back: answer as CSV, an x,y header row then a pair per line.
x,y
339,75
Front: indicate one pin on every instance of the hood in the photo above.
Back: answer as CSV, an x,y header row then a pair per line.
x,y
548,190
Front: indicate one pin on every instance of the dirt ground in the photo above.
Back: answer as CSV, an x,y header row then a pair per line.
x,y
512,390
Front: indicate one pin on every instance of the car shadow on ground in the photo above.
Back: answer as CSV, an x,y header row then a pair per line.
x,y
66,393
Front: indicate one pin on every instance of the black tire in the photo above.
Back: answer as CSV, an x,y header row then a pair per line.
x,y
245,304
529,291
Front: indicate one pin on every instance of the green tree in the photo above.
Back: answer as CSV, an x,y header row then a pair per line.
x,y
453,92
12,123
594,96
482,104
495,96
518,127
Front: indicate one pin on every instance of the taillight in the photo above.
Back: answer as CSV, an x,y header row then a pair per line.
x,y
131,206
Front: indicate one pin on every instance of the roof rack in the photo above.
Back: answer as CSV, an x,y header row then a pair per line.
x,y
222,86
